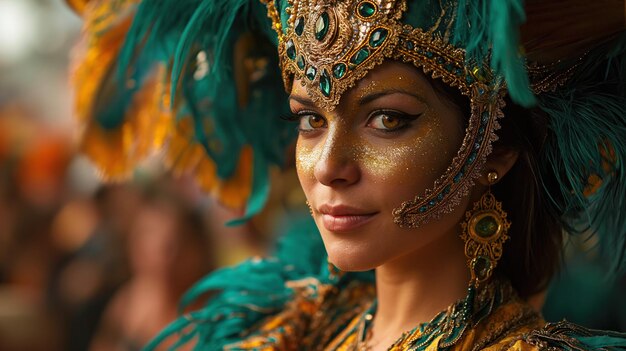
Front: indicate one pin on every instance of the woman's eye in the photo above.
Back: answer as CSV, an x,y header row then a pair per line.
x,y
311,122
389,121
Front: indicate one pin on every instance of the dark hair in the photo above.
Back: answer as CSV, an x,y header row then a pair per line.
x,y
532,255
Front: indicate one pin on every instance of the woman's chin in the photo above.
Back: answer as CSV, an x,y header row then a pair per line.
x,y
348,263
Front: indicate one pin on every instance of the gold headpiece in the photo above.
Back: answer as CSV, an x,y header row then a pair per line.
x,y
329,45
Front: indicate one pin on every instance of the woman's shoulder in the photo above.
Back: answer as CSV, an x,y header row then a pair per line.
x,y
559,336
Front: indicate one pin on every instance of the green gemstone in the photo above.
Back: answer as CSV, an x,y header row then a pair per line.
x,y
321,26
378,37
291,49
300,62
299,26
360,56
482,267
486,226
311,72
339,70
367,9
325,85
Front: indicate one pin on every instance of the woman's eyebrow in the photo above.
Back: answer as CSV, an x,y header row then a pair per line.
x,y
302,100
373,96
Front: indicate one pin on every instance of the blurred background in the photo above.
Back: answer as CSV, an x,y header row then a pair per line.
x,y
92,266
86,265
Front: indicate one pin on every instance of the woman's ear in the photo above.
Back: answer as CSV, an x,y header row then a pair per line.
x,y
501,160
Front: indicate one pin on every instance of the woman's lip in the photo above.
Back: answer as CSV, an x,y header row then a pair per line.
x,y
345,223
342,210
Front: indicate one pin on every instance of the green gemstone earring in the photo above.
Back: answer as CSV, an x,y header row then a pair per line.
x,y
484,232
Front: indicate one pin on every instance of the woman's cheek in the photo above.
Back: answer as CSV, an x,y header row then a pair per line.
x,y
306,158
419,159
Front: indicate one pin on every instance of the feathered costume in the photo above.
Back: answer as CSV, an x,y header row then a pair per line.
x,y
202,80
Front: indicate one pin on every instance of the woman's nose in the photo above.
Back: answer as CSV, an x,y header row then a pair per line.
x,y
338,164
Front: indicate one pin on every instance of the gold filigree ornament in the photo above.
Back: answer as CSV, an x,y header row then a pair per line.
x,y
328,45
484,232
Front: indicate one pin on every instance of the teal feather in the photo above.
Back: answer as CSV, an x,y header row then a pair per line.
x,y
587,122
506,58
488,30
253,290
173,33
112,102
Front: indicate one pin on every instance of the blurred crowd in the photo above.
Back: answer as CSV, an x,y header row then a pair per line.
x,y
86,265
101,269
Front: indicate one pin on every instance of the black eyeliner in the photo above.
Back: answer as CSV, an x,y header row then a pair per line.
x,y
405,118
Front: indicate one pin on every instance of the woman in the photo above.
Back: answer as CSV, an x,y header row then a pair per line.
x,y
399,107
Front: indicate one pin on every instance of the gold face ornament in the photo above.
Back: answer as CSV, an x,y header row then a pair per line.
x,y
328,45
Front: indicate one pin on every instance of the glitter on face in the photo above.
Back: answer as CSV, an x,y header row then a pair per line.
x,y
401,164
417,152
356,163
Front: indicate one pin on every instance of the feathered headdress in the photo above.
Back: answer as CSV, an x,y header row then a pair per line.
x,y
203,81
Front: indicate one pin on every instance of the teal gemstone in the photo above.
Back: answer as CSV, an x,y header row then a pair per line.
x,y
321,26
484,117
291,49
300,61
360,56
472,158
299,26
482,267
378,37
311,72
458,177
409,45
339,70
367,9
325,84
486,227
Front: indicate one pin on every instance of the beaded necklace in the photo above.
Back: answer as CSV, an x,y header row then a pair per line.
x,y
448,325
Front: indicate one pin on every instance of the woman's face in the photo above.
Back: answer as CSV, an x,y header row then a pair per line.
x,y
388,140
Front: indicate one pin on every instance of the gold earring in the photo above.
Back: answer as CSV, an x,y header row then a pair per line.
x,y
484,232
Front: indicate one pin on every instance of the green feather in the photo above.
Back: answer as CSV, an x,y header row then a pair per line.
x,y
174,33
253,290
587,119
489,32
